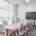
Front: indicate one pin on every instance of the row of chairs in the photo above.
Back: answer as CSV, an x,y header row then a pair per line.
x,y
24,29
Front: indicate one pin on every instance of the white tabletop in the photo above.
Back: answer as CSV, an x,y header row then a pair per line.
x,y
13,26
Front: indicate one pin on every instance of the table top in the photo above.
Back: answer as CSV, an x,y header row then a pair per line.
x,y
14,26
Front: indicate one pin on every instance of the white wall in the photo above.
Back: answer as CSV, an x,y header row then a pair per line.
x,y
22,10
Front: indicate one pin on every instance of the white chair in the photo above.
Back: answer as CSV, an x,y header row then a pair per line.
x,y
13,21
2,29
31,21
21,31
5,23
18,19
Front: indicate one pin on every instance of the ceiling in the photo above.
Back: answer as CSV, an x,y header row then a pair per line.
x,y
21,1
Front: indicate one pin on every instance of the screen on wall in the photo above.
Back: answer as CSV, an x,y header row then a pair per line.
x,y
30,15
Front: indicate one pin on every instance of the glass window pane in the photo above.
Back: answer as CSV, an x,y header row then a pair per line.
x,y
1,22
10,21
5,19
3,4
1,19
3,13
10,6
10,14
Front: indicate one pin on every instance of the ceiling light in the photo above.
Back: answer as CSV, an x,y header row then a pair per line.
x,y
27,0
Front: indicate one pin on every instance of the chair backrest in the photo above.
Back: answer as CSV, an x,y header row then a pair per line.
x,y
18,19
21,26
31,21
13,21
24,27
5,23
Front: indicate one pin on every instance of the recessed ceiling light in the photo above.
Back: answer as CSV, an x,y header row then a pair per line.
x,y
27,0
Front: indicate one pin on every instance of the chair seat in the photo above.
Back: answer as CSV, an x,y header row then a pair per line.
x,y
27,28
22,32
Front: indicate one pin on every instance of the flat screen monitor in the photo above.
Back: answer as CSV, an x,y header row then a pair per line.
x,y
30,15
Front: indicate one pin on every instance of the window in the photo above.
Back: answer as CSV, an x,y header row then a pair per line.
x,y
5,12
10,6
1,20
3,4
5,19
10,21
11,14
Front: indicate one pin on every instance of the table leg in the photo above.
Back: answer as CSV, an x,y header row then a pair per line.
x,y
17,32
14,32
10,34
6,32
